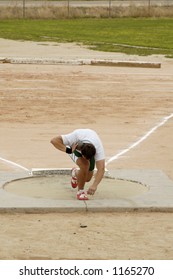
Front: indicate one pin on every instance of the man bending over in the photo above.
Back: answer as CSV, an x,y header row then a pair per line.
x,y
86,150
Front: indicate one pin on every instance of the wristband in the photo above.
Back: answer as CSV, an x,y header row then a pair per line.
x,y
68,150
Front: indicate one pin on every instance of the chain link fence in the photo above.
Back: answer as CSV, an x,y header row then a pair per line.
x,y
46,9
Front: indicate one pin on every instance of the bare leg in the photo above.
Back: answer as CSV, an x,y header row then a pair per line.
x,y
83,174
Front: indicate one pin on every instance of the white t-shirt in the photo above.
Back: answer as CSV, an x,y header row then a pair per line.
x,y
86,136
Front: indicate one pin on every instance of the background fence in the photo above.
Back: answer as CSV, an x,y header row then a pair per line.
x,y
84,8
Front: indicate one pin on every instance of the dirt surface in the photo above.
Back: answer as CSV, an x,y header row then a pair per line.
x,y
38,102
86,236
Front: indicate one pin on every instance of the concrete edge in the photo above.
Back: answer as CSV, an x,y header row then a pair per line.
x,y
43,210
159,198
94,62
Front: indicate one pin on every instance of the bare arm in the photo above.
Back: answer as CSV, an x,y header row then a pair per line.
x,y
98,177
57,142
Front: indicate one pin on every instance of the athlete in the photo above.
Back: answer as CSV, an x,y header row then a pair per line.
x,y
86,150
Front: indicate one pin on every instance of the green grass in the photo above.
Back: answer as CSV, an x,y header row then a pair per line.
x,y
149,36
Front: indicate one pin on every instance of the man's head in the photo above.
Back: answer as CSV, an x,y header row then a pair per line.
x,y
88,150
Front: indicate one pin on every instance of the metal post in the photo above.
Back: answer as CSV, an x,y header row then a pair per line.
x,y
110,4
149,6
68,7
23,8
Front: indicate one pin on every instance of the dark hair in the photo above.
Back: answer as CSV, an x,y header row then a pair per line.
x,y
88,150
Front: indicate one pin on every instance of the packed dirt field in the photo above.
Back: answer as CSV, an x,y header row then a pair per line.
x,y
38,102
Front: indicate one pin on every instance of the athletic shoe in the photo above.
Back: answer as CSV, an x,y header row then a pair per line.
x,y
81,195
73,178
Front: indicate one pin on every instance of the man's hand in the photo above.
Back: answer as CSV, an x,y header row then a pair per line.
x,y
91,190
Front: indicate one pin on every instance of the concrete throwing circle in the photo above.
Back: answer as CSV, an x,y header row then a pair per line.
x,y
58,187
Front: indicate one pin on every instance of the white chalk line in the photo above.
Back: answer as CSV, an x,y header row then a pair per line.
x,y
14,164
132,146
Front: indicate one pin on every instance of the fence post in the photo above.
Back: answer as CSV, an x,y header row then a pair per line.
x,y
23,8
149,6
110,4
68,9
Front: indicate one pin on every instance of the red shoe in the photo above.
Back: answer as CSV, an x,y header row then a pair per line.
x,y
82,196
73,178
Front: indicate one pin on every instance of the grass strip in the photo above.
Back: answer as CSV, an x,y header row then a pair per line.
x,y
141,36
